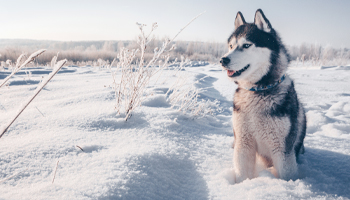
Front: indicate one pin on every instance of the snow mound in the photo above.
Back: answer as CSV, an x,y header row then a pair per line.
x,y
343,68
158,100
336,67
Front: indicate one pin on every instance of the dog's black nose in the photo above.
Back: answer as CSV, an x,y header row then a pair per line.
x,y
224,61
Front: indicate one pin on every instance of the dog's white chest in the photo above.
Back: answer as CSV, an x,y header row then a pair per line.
x,y
257,128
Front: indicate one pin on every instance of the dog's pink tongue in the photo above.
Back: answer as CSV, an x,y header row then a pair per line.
x,y
230,72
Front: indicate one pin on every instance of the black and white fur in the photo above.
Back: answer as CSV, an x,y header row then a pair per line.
x,y
269,125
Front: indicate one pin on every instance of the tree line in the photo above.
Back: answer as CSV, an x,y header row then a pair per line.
x,y
82,52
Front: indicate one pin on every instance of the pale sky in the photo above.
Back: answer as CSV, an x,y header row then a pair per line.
x,y
322,22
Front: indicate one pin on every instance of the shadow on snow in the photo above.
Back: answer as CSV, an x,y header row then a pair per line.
x,y
161,177
209,92
327,172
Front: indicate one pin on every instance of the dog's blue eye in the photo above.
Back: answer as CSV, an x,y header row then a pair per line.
x,y
246,46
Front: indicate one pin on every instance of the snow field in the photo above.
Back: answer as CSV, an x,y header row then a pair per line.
x,y
160,153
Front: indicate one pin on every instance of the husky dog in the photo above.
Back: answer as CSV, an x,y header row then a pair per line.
x,y
269,122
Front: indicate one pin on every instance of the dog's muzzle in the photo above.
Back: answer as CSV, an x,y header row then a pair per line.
x,y
224,61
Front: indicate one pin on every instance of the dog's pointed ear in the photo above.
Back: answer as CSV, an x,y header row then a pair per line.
x,y
239,20
261,21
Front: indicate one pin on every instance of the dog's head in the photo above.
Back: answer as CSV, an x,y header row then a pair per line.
x,y
250,48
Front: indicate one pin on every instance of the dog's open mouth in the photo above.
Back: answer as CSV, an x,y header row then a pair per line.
x,y
233,73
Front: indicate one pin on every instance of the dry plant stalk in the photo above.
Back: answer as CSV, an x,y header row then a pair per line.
x,y
18,67
54,60
136,75
16,174
55,172
80,148
20,60
58,66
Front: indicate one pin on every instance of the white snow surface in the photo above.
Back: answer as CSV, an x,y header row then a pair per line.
x,y
160,153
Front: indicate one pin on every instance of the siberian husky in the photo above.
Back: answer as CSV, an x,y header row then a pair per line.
x,y
269,122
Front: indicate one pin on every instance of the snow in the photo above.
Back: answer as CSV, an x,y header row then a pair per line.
x,y
160,153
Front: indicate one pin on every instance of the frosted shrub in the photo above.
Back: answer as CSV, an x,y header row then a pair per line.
x,y
9,64
3,64
184,97
135,74
316,55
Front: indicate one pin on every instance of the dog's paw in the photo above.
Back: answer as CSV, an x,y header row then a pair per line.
x,y
230,176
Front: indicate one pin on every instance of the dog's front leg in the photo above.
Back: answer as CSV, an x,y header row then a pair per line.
x,y
285,165
244,161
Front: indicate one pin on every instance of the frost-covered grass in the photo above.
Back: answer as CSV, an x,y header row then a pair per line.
x,y
22,62
24,105
160,153
136,73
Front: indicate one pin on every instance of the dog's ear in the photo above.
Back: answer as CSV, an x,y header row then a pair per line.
x,y
239,20
261,21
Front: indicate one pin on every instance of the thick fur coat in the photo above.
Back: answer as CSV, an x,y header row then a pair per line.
x,y
269,122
